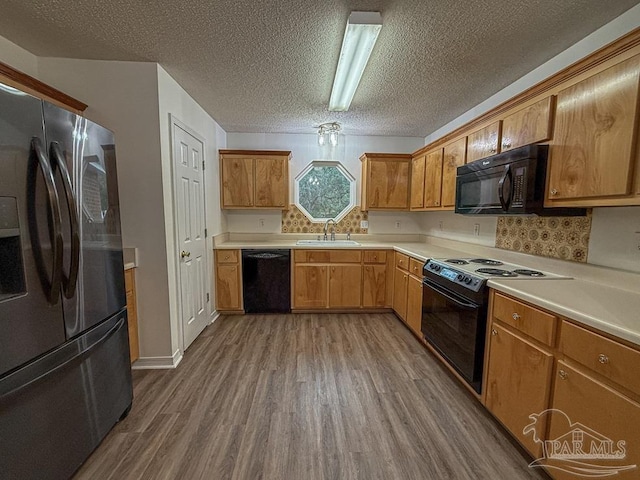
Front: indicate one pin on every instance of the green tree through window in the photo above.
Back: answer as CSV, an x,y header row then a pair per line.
x,y
325,190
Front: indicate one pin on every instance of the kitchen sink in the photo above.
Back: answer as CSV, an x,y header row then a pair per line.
x,y
328,243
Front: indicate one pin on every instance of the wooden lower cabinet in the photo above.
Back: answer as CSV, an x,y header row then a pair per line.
x,y
597,412
414,304
310,286
374,286
518,382
228,281
345,286
132,313
400,286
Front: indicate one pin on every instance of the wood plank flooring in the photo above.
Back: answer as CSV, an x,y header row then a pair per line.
x,y
306,396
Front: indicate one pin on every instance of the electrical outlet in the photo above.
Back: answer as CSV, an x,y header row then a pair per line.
x,y
441,225
638,240
261,223
476,229
398,225
364,223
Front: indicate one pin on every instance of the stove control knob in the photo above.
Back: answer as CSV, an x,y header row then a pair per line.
x,y
460,277
432,266
438,268
467,280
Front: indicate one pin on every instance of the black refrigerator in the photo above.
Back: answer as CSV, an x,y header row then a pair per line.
x,y
65,375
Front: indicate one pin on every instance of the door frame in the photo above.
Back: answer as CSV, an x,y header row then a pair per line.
x,y
176,123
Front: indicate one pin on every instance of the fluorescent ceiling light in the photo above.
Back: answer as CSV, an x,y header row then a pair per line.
x,y
359,38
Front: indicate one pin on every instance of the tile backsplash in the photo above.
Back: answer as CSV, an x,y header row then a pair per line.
x,y
565,238
294,221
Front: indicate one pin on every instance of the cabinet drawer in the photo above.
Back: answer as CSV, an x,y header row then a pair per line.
x,y
375,256
611,359
530,321
402,261
311,256
415,267
345,256
227,256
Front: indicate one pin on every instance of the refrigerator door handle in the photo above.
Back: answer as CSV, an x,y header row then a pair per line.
x,y
52,287
21,380
57,160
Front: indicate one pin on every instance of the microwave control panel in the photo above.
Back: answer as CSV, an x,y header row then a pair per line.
x,y
517,197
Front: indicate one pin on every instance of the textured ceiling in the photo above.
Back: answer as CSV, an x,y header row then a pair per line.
x,y
267,66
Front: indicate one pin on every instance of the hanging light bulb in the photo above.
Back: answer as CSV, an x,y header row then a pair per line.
x,y
321,137
333,138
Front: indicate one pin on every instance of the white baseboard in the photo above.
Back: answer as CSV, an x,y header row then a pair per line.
x,y
158,363
214,316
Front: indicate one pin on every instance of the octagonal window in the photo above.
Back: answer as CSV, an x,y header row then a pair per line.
x,y
325,190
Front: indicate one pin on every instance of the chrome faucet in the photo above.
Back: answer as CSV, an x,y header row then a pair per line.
x,y
333,229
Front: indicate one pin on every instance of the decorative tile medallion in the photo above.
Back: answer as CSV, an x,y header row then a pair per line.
x,y
566,238
294,221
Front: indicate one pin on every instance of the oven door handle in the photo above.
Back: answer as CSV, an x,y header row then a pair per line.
x,y
449,295
505,200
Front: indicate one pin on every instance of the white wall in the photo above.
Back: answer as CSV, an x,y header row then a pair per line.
x,y
613,241
123,96
174,100
18,57
304,149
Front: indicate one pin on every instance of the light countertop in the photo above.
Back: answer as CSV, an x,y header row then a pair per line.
x,y
605,299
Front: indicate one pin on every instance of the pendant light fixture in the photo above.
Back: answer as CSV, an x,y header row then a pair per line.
x,y
328,132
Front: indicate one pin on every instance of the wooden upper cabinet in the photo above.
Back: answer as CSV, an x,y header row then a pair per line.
x,y
254,178
593,149
385,181
417,182
453,157
532,124
237,182
433,178
484,142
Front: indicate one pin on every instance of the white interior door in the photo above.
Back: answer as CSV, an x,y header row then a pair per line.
x,y
189,178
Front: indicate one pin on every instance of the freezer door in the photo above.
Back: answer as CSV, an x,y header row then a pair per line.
x,y
83,157
57,409
31,318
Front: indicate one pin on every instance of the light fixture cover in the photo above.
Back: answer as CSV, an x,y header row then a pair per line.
x,y
329,130
359,38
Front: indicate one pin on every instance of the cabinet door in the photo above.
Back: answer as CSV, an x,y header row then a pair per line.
x,y
228,287
433,178
414,304
518,383
345,286
601,413
400,280
388,184
417,182
529,125
310,286
484,142
454,156
593,146
237,182
374,286
272,183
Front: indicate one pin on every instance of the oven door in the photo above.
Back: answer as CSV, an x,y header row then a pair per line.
x,y
455,327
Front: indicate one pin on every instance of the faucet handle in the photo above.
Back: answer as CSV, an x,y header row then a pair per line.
x,y
349,235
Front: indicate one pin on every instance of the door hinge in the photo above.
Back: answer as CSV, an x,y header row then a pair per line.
x,y
205,233
207,297
202,164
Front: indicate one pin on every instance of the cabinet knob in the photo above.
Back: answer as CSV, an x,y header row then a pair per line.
x,y
375,257
554,191
515,316
506,145
602,358
437,203
494,332
563,375
493,150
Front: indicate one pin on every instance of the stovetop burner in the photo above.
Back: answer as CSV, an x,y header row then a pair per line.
x,y
486,261
498,272
529,273
457,261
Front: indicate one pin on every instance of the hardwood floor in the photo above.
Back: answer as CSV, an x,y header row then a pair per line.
x,y
306,396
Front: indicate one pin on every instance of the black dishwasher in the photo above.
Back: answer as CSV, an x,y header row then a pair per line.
x,y
266,281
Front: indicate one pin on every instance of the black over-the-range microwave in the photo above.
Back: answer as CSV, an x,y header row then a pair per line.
x,y
509,183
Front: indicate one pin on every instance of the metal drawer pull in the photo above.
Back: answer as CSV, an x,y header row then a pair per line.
x,y
563,374
494,332
515,316
602,358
